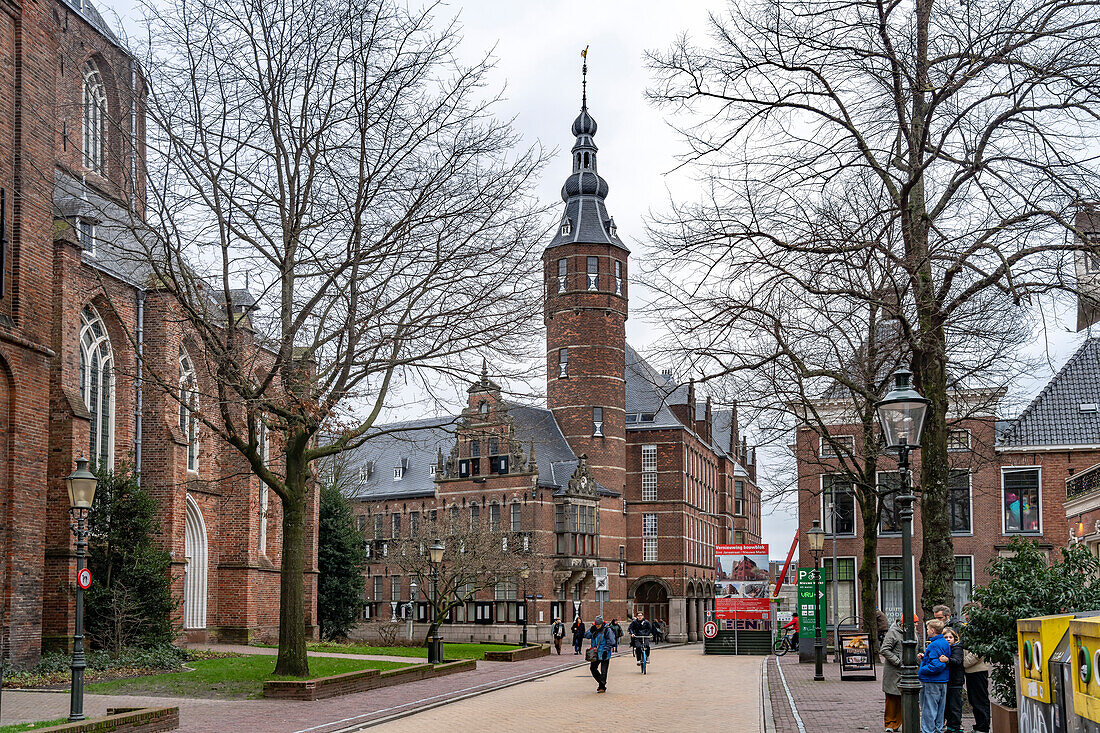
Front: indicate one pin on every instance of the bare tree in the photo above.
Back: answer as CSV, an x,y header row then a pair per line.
x,y
476,558
968,131
339,162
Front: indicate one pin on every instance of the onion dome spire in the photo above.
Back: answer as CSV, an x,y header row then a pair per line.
x,y
585,218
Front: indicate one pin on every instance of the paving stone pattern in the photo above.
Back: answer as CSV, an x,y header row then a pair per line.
x,y
832,705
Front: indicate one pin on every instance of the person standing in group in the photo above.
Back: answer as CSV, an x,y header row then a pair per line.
x,y
933,675
976,672
891,673
578,634
599,655
954,713
618,631
558,632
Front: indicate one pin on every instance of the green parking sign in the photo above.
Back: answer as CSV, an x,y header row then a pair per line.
x,y
811,601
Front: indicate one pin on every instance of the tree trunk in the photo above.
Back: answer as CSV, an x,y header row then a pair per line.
x,y
292,611
937,560
868,573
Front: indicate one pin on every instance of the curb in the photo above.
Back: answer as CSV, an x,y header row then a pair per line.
x,y
458,698
767,717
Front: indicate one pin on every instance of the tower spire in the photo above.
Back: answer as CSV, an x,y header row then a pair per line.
x,y
584,79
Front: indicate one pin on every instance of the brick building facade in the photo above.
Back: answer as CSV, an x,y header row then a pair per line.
x,y
75,314
1009,479
625,471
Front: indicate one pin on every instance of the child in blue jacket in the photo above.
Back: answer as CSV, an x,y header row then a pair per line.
x,y
933,674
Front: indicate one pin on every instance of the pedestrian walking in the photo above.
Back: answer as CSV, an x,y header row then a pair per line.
x,y
578,635
657,633
599,652
618,631
558,632
976,673
891,673
955,678
933,675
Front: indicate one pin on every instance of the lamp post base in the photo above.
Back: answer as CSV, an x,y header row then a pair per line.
x,y
435,649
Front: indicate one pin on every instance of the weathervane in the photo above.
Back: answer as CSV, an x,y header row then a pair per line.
x,y
584,78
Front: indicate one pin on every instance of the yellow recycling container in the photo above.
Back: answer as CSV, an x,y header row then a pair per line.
x,y
1085,643
1036,639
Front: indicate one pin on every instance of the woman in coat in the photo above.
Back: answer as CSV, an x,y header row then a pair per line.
x,y
891,673
578,634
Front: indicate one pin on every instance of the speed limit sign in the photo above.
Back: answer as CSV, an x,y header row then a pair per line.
x,y
710,629
84,578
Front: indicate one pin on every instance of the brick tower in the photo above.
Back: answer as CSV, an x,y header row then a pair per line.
x,y
586,310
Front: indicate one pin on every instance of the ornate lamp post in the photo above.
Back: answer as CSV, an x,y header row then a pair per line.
x,y
901,414
435,644
525,573
816,536
81,484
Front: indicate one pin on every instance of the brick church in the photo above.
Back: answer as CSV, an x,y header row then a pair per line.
x,y
81,331
625,472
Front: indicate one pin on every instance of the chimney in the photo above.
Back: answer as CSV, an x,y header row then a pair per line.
x,y
667,374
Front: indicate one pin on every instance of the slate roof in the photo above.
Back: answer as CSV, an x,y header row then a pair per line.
x,y
89,13
647,390
1055,416
419,442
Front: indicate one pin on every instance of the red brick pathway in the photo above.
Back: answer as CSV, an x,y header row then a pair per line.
x,y
824,707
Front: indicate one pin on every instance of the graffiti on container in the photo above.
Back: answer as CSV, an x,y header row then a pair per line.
x,y
1035,716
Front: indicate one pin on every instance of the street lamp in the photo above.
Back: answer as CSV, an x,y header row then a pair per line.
x,y
81,484
525,573
816,536
435,644
902,413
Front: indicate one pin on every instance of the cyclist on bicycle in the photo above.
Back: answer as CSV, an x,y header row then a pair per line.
x,y
640,630
793,625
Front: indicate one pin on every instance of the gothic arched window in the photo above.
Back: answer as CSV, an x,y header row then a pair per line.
x,y
95,118
97,387
188,397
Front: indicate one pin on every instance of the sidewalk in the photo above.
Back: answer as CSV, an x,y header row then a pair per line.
x,y
286,716
832,705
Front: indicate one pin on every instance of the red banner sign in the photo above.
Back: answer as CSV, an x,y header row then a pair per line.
x,y
741,582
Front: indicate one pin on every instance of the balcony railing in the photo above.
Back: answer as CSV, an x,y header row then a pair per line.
x,y
1085,482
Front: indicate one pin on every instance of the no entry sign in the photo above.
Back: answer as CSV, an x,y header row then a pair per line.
x,y
84,578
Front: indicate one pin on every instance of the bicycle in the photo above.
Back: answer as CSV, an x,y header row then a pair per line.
x,y
638,642
784,643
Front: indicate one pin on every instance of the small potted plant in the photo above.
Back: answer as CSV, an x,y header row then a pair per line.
x,y
1024,585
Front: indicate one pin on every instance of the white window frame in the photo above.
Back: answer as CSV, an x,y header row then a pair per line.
x,y
262,439
739,504
86,235
1001,500
94,118
822,511
593,277
649,537
958,611
563,363
649,472
597,424
878,590
563,273
398,473
515,517
878,528
956,431
824,449
91,345
829,584
618,273
189,401
970,498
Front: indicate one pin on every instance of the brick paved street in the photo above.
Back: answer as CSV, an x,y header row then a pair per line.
x,y
684,691
824,707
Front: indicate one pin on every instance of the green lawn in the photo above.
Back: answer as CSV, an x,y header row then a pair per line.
x,y
231,677
450,651
16,728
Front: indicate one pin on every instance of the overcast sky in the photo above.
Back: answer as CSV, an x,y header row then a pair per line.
x,y
537,49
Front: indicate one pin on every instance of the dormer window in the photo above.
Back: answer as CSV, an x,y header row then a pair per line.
x,y
597,421
398,473
618,272
566,227
561,275
86,234
431,469
593,273
362,473
611,228
563,363
483,407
